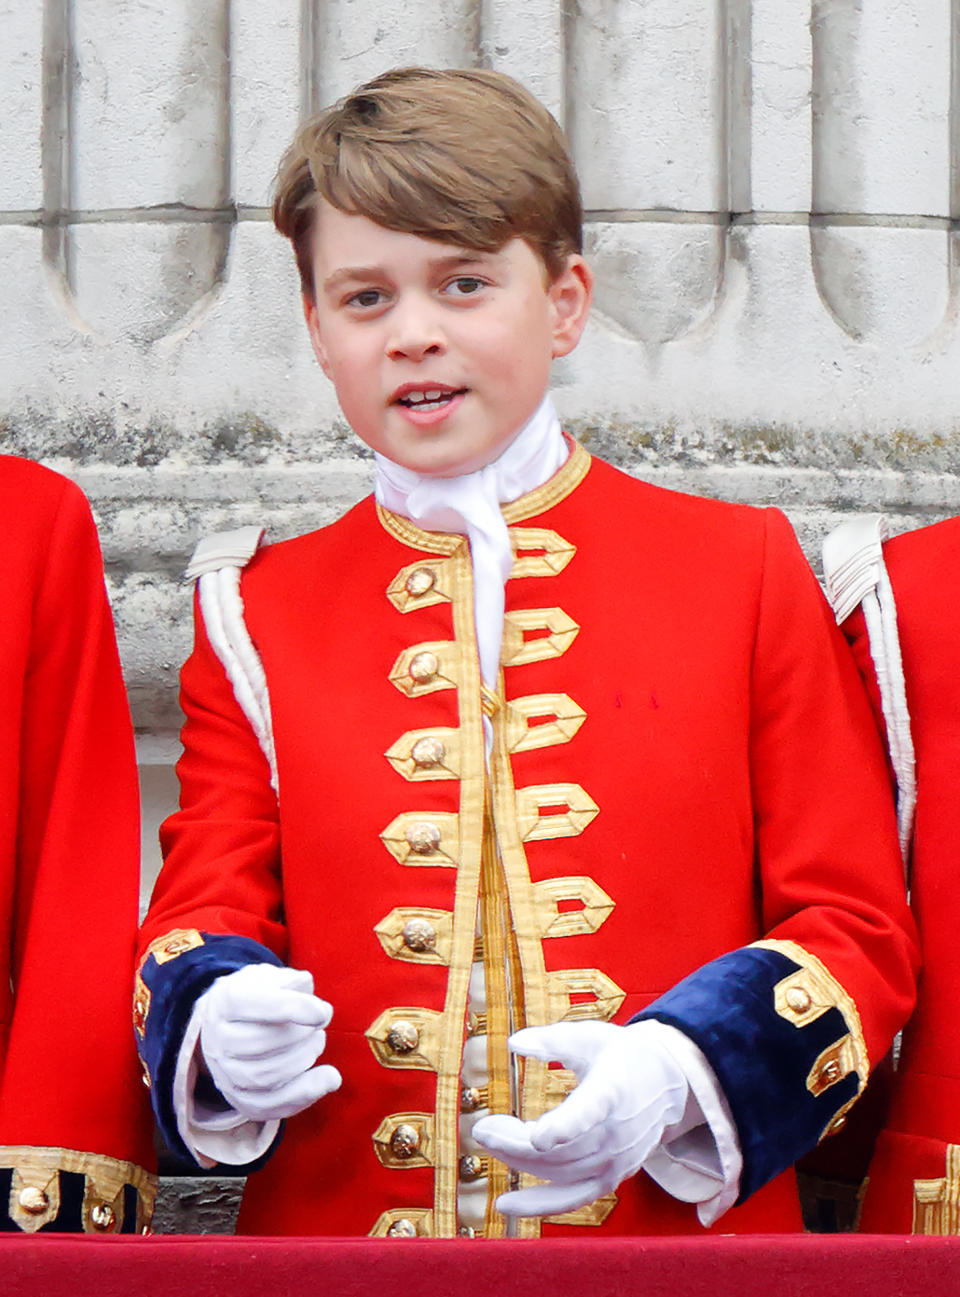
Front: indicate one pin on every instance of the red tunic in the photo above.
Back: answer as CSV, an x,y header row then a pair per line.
x,y
680,767
70,1093
914,1183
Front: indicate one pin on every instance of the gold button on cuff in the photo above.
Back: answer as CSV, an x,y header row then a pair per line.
x,y
473,1168
33,1200
423,837
427,753
102,1216
419,935
403,1037
830,1072
420,581
837,1125
424,667
402,1228
405,1141
798,999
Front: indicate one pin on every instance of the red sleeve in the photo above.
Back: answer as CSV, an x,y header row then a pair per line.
x,y
831,871
70,1077
222,848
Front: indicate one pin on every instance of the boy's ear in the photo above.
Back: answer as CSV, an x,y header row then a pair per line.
x,y
313,328
571,295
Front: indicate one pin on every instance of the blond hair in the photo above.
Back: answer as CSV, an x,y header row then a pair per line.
x,y
461,156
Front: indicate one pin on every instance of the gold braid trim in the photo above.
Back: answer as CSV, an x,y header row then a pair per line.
x,y
566,479
807,994
936,1203
35,1187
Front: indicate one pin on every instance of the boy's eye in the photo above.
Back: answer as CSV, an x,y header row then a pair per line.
x,y
366,297
464,285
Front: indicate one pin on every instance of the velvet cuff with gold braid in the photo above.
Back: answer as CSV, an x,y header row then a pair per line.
x,y
785,1043
176,970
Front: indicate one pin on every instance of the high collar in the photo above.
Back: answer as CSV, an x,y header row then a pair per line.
x,y
532,457
470,504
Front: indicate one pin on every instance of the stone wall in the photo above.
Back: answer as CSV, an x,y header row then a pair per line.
x,y
772,191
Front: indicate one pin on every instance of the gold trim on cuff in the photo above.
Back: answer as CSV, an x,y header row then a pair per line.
x,y
35,1187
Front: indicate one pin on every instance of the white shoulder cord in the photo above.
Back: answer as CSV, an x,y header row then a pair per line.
x,y
217,565
855,573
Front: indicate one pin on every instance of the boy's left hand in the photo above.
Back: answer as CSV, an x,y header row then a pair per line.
x,y
631,1090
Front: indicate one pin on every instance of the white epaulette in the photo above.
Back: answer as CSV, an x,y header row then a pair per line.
x,y
216,566
855,573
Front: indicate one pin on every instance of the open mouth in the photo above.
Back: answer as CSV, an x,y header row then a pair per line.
x,y
431,398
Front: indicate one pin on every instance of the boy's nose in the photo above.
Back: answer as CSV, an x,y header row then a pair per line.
x,y
416,333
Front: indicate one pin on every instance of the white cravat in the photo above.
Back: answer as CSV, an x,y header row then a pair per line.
x,y
470,504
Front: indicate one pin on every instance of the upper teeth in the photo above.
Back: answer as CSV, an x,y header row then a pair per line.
x,y
434,394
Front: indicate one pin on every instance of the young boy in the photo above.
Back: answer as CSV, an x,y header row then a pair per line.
x,y
517,748
898,607
75,1131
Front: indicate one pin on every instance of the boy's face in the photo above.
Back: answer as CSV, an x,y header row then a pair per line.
x,y
439,353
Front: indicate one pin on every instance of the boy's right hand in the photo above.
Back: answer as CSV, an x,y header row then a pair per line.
x,y
261,1031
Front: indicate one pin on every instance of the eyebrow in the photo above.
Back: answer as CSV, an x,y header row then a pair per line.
x,y
351,274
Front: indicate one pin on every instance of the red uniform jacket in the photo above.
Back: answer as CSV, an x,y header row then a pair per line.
x,y
75,1129
680,767
914,1183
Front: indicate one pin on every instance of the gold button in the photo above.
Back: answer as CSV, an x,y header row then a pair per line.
x,y
471,1098
424,667
472,1168
420,581
33,1200
403,1037
405,1141
402,1228
423,837
103,1217
830,1072
798,999
837,1125
419,935
428,751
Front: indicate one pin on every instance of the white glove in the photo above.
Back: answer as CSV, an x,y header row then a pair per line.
x,y
261,1031
631,1090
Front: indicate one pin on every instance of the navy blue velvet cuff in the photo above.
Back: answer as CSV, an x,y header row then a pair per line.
x,y
173,985
761,1058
